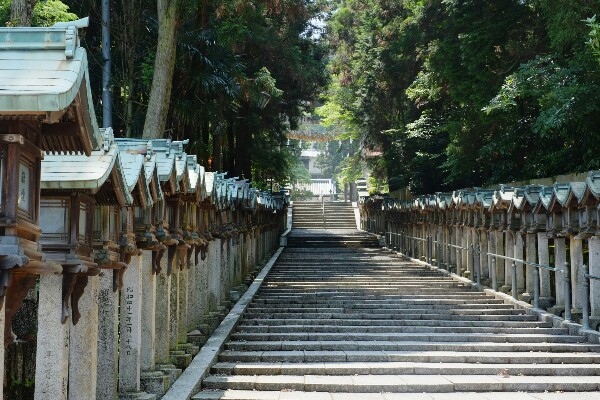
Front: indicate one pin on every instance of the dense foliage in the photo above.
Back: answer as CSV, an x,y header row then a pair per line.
x,y
462,93
245,71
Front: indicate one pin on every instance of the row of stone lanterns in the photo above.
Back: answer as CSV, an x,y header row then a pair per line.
x,y
526,240
131,245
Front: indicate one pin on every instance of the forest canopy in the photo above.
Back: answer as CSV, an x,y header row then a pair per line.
x,y
465,93
445,93
233,76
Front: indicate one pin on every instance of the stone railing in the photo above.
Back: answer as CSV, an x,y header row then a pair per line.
x,y
540,244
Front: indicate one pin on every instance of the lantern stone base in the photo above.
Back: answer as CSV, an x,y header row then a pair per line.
x,y
155,382
180,359
526,297
169,369
189,348
505,289
137,396
594,323
557,310
547,302
197,338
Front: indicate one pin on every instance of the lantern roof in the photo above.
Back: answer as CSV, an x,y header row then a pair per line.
x,y
44,76
143,147
593,183
193,172
531,196
443,200
135,178
101,174
165,162
484,197
564,192
181,167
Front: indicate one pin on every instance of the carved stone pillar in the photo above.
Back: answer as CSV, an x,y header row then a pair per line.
x,y
499,249
483,257
509,251
214,275
174,312
148,310
560,256
531,256
546,299
576,253
151,381
52,360
163,323
2,313
182,320
83,357
594,245
518,254
108,338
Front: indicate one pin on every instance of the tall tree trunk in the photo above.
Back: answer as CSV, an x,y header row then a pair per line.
x,y
231,161
164,66
21,12
241,148
216,152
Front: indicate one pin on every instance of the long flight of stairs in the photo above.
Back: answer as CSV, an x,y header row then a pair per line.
x,y
310,215
358,323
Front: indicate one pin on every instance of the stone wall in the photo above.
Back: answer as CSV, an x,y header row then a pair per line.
x,y
133,343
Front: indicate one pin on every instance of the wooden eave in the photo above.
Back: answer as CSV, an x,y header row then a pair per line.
x,y
45,77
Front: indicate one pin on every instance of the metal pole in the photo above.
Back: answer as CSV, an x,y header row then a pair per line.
x,y
513,268
536,287
106,67
585,323
567,282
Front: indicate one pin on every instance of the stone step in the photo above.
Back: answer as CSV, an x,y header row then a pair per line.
x,y
366,303
397,329
472,357
456,310
404,368
382,308
405,345
397,317
393,323
404,383
520,338
211,394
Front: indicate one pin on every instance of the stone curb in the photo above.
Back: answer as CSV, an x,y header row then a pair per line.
x,y
190,381
556,321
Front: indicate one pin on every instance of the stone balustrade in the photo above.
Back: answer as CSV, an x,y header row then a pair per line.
x,y
541,244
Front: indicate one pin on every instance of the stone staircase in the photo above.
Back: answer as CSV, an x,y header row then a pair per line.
x,y
309,215
358,323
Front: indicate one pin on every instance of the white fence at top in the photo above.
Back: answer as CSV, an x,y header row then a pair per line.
x,y
318,187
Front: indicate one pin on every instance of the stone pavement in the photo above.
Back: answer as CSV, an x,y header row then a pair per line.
x,y
357,323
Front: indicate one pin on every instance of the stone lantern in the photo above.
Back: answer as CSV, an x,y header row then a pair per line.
x,y
588,207
500,202
593,190
483,202
514,216
68,206
530,221
36,115
564,207
542,214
